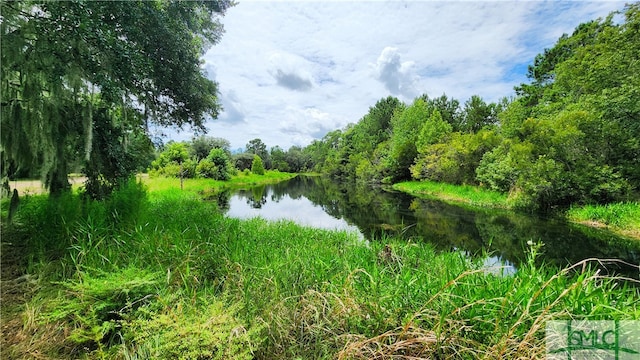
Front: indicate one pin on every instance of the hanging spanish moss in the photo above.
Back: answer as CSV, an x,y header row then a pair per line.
x,y
61,61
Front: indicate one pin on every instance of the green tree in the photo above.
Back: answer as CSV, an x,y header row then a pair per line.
x,y
257,147
201,146
297,159
134,62
215,166
477,114
454,161
278,159
403,141
257,167
433,130
242,161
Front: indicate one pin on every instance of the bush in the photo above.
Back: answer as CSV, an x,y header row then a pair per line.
x,y
257,167
215,166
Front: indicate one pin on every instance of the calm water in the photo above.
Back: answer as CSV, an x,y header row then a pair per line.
x,y
374,213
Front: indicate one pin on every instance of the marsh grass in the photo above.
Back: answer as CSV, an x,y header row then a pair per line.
x,y
127,280
460,194
206,187
620,217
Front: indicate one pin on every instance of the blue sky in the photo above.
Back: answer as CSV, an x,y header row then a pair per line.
x,y
289,72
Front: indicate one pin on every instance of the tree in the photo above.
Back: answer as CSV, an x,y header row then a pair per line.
x,y
278,159
403,149
201,146
215,166
297,159
257,147
242,161
174,161
433,130
257,167
478,114
132,62
449,110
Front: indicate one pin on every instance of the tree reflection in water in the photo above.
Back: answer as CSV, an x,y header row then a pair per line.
x,y
376,213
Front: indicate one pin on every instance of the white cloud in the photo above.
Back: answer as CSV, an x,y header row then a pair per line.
x,y
309,123
233,110
290,71
397,76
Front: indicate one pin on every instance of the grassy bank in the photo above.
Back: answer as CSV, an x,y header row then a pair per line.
x,y
165,276
207,187
459,194
621,218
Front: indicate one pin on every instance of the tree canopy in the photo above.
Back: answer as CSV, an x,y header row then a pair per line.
x,y
78,73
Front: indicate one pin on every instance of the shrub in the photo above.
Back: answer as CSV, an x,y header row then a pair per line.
x,y
257,167
215,166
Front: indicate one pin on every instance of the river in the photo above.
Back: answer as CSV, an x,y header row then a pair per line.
x,y
500,236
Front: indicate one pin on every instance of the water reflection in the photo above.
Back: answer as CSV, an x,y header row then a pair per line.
x,y
376,213
245,205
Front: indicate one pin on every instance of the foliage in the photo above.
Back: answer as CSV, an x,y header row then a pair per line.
x,y
242,161
215,166
256,166
201,146
174,161
180,330
257,147
455,160
66,65
403,142
96,304
433,130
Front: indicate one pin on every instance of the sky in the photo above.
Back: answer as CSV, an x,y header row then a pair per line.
x,y
289,72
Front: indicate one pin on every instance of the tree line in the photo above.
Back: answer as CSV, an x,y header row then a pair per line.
x,y
211,157
570,135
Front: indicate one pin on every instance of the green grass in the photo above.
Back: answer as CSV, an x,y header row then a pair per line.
x,y
623,218
208,186
461,194
167,276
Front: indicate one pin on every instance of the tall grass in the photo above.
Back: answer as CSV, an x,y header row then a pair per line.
x,y
461,194
124,280
203,186
620,217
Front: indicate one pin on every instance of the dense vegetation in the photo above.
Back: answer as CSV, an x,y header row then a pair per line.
x,y
164,275
210,157
570,136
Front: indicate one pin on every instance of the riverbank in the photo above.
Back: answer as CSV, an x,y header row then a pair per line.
x,y
164,275
208,187
619,218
